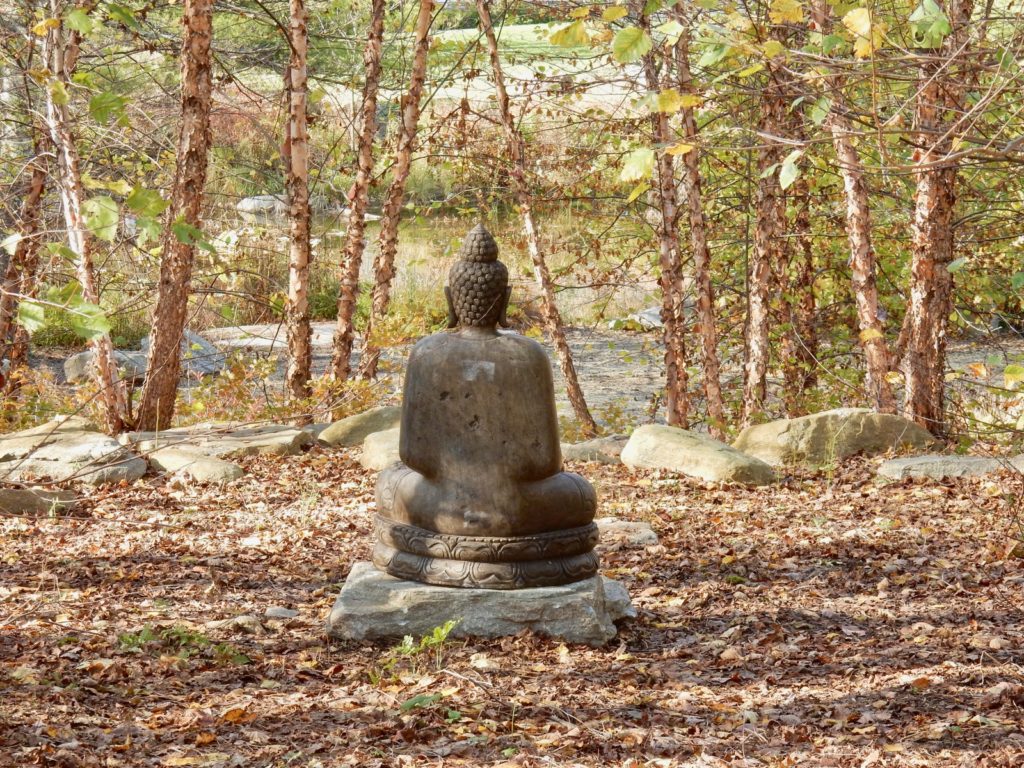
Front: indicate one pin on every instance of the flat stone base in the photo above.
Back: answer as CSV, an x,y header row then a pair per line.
x,y
375,605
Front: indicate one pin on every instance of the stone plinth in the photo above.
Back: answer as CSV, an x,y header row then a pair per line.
x,y
375,605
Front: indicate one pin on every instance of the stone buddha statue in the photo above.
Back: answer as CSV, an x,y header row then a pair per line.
x,y
479,498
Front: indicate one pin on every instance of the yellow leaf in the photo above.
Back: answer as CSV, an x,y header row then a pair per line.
x,y
679,149
45,26
783,11
613,13
773,48
210,758
580,13
867,33
669,101
978,370
870,333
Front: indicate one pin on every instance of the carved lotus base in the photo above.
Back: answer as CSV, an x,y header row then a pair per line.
x,y
487,562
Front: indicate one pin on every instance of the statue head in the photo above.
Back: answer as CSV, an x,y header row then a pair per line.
x,y
477,289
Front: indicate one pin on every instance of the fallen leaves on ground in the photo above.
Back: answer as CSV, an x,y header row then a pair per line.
x,y
826,621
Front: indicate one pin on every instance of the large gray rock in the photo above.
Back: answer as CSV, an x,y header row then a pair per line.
x,y
262,205
202,469
380,449
938,467
224,440
604,450
199,357
132,366
654,446
67,449
35,501
352,430
823,438
374,605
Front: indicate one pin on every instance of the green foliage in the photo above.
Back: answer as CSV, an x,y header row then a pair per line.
x,y
181,641
630,44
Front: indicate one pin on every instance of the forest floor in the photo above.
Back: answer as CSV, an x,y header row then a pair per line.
x,y
823,621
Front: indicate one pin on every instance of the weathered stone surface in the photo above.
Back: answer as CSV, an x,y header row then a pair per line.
x,y
224,440
280,613
605,450
939,467
67,449
315,430
626,533
823,438
352,430
262,205
374,605
78,368
198,356
35,501
654,446
202,469
380,449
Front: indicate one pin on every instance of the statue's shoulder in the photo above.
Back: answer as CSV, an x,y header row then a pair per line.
x,y
524,345
432,343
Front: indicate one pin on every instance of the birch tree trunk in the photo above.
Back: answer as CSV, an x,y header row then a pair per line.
x,y
517,156
769,228
359,197
939,94
62,57
862,264
699,243
300,355
156,407
384,264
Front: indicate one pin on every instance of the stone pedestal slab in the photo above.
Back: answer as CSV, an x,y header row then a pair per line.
x,y
375,605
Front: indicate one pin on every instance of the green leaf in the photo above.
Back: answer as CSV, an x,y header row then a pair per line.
x,y
79,21
957,264
189,235
572,36
630,44
819,110
789,170
58,93
1017,281
122,15
148,230
101,215
31,315
146,202
713,55
637,165
88,320
638,190
930,25
106,105
1013,375
671,29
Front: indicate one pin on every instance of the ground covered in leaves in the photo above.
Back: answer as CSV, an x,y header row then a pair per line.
x,y
824,621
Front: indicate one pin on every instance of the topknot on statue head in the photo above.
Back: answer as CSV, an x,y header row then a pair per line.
x,y
477,288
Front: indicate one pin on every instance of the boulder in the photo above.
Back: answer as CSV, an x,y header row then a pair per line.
x,y
374,605
78,368
625,533
67,449
202,469
199,357
224,440
823,438
654,446
35,501
604,450
352,430
939,467
380,450
262,205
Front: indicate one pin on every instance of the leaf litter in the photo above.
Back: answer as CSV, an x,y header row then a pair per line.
x,y
825,621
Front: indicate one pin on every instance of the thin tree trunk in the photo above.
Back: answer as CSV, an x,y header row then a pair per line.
x,y
931,283
384,264
300,355
699,245
769,229
156,407
359,197
862,264
517,155
20,275
62,60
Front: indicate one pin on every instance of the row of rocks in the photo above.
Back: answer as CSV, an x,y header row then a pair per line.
x,y
199,358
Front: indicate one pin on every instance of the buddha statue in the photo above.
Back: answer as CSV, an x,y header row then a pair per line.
x,y
479,498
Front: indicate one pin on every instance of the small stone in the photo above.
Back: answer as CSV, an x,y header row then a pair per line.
x,y
654,446
374,605
352,430
604,450
202,469
626,533
380,449
280,612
